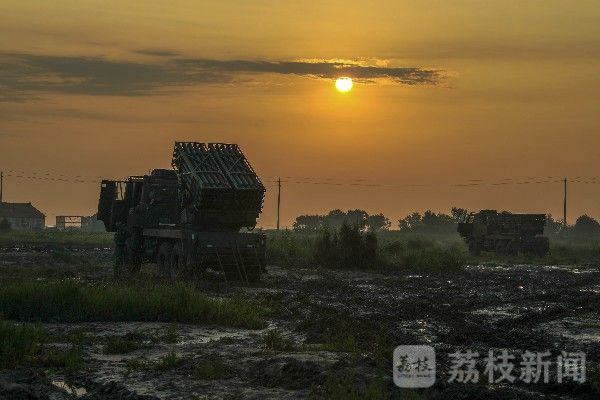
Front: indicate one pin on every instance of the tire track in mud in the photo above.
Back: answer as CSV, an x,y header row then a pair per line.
x,y
478,310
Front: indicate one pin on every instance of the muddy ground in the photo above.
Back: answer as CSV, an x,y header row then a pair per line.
x,y
327,331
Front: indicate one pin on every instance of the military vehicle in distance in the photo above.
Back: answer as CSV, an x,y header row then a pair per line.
x,y
505,233
189,218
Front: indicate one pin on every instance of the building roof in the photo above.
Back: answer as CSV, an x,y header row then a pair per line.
x,y
19,210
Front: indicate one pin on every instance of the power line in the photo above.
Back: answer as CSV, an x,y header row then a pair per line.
x,y
357,182
509,181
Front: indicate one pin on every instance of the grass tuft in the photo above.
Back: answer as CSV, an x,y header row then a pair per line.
x,y
168,361
121,345
290,249
346,387
69,301
212,368
171,335
427,258
70,360
274,340
19,343
340,341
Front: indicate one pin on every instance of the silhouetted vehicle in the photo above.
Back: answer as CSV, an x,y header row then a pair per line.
x,y
189,218
505,233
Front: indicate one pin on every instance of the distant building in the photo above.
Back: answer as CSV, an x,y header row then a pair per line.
x,y
79,222
22,216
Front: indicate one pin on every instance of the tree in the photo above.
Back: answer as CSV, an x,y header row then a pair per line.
x,y
410,223
350,246
553,226
459,214
308,223
430,222
357,218
349,249
438,222
586,226
378,222
370,249
325,249
335,219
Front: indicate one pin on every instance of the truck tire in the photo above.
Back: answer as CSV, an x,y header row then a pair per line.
x,y
177,261
133,259
254,275
512,248
474,248
119,260
164,259
542,246
500,247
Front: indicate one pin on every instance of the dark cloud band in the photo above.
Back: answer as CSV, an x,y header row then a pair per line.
x,y
322,69
26,75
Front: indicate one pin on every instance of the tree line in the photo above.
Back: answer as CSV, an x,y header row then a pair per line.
x,y
427,222
335,219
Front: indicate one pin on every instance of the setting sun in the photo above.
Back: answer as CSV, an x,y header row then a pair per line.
x,y
343,84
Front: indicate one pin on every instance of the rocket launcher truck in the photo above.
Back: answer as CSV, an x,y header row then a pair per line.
x,y
198,215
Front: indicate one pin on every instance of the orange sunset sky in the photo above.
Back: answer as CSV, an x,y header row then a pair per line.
x,y
445,93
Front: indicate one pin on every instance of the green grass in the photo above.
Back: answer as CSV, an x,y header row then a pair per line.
x,y
427,257
574,252
167,362
344,387
340,341
290,249
121,345
73,237
78,337
70,301
274,340
431,252
171,335
396,251
23,344
212,368
136,340
164,363
70,360
19,343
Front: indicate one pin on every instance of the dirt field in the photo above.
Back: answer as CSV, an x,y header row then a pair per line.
x,y
329,334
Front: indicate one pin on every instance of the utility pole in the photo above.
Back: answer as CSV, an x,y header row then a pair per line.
x,y
1,184
278,199
565,206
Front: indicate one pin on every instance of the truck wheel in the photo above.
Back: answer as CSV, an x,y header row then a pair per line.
x,y
542,247
512,248
164,259
134,263
119,260
177,261
501,248
474,248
